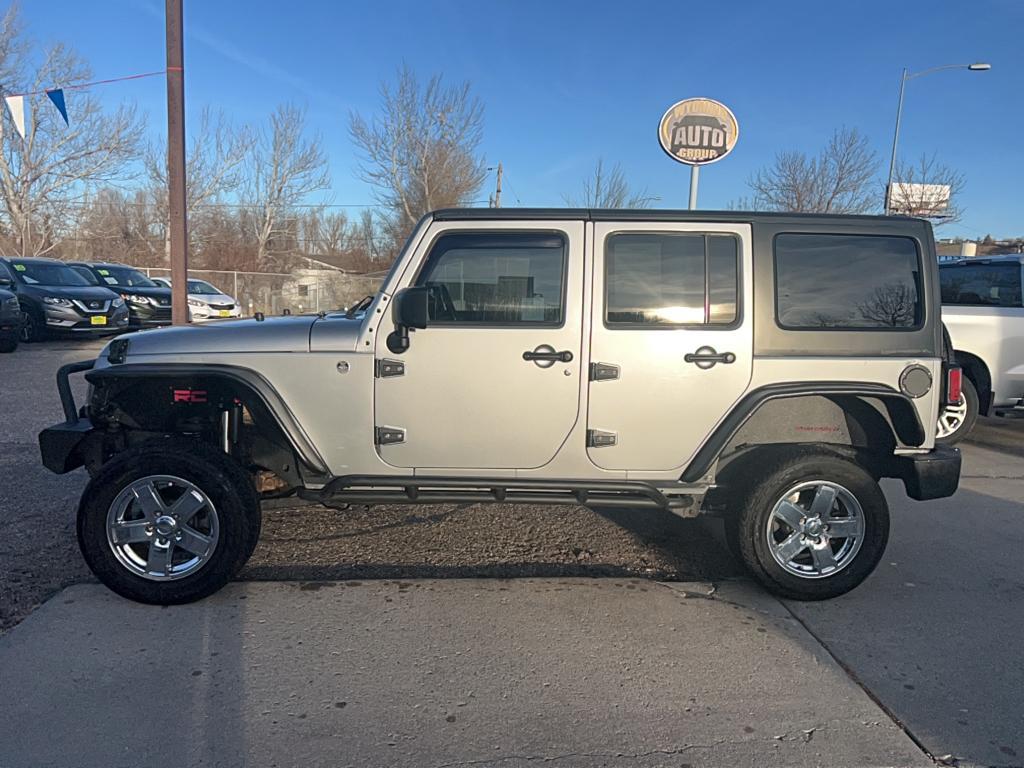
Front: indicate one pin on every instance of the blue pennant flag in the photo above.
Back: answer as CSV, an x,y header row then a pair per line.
x,y
57,97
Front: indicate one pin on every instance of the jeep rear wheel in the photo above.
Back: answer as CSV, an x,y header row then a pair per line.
x,y
168,522
956,421
811,526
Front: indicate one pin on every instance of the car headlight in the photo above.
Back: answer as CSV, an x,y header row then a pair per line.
x,y
56,301
12,303
134,299
118,302
194,303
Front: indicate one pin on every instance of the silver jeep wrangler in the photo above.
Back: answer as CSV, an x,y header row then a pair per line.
x,y
767,368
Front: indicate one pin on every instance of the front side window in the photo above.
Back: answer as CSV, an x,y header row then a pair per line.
x,y
501,278
981,285
668,279
847,282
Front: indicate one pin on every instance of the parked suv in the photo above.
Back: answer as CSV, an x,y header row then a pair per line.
x,y
768,368
984,312
10,317
55,299
149,304
206,301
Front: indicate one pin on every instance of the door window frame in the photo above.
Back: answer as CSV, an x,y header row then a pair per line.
x,y
563,309
634,326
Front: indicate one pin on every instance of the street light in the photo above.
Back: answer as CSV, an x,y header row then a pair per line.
x,y
978,66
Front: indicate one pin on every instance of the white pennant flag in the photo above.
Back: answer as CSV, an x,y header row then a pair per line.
x,y
17,106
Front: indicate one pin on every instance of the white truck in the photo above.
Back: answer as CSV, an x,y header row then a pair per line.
x,y
983,311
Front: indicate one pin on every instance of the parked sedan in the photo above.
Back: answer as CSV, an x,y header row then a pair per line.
x,y
10,317
205,301
149,304
55,299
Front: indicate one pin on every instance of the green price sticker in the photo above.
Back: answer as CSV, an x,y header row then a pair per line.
x,y
20,267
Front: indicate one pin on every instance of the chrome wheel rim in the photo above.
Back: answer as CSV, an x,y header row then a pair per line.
x,y
815,529
952,417
162,528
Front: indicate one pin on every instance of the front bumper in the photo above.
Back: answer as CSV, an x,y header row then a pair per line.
x,y
202,314
62,446
145,316
73,321
932,475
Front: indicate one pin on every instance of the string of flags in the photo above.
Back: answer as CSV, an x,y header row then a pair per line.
x,y
16,101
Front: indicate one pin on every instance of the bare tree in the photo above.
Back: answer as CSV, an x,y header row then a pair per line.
x,y
213,168
609,189
914,187
841,179
421,152
892,306
42,174
285,168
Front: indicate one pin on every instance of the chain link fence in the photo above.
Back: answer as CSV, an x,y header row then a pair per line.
x,y
300,291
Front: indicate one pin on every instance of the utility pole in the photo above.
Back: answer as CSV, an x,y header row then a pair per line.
x,y
497,189
178,225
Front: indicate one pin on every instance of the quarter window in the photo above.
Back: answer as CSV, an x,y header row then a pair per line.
x,y
668,279
856,282
496,279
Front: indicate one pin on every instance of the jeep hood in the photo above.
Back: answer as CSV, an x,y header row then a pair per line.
x,y
275,334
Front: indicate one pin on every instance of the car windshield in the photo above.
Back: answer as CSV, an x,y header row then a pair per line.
x,y
47,273
87,274
124,277
202,288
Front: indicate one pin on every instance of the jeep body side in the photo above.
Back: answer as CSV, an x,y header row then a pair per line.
x,y
681,360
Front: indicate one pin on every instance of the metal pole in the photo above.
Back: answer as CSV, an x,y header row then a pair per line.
x,y
694,180
178,226
895,140
497,191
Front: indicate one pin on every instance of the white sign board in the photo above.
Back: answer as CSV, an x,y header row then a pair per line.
x,y
925,200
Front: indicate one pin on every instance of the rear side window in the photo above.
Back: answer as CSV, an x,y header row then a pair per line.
x,y
501,278
847,282
981,285
668,279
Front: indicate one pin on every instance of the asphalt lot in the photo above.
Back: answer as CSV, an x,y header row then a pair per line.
x,y
667,659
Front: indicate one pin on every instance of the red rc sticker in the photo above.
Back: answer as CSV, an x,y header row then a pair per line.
x,y
189,396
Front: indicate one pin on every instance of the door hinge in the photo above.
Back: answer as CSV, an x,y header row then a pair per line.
x,y
385,369
603,371
388,435
597,438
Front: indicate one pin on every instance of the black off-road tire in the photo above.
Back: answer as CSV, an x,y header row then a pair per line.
x,y
763,487
217,475
973,404
32,330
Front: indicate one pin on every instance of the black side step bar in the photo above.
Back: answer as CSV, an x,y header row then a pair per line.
x,y
376,489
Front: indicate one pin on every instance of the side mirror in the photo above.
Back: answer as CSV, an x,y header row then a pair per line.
x,y
410,309
6,282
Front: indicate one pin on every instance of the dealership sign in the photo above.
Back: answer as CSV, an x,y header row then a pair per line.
x,y
698,131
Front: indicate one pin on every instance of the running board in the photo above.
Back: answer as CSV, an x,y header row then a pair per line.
x,y
376,489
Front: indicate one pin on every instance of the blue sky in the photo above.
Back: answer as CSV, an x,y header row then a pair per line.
x,y
564,83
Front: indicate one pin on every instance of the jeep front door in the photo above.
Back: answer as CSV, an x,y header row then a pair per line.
x,y
493,380
671,340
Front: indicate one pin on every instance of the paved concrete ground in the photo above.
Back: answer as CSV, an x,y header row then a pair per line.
x,y
934,635
434,673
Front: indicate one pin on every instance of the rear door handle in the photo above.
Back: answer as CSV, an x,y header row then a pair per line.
x,y
707,357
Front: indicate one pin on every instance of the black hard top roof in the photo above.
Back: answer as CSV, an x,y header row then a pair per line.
x,y
654,214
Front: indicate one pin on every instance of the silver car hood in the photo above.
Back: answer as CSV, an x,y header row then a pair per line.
x,y
275,334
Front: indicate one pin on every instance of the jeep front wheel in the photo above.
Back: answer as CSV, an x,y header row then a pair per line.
x,y
811,526
168,522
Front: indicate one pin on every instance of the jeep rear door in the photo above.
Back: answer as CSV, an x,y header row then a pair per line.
x,y
493,381
671,339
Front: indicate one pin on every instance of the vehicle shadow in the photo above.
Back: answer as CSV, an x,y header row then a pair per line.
x,y
485,541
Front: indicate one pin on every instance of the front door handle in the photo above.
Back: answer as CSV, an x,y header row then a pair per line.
x,y
545,356
707,357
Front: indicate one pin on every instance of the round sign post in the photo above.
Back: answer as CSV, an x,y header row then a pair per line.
x,y
697,132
